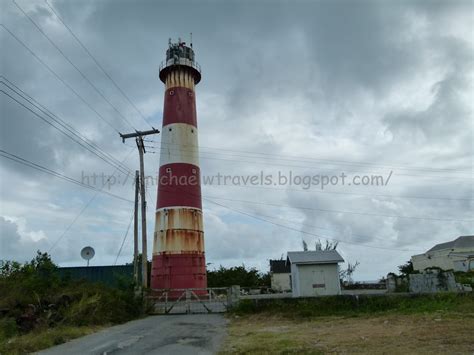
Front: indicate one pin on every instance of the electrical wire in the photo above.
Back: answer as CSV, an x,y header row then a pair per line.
x,y
182,152
285,226
97,63
345,212
97,152
73,65
317,160
304,232
43,169
319,191
124,237
84,208
59,77
57,119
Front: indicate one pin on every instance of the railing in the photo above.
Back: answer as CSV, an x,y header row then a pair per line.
x,y
180,61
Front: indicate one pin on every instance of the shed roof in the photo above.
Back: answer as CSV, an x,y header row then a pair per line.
x,y
315,257
465,241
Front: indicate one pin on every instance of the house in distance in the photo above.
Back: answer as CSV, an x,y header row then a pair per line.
x,y
280,275
456,255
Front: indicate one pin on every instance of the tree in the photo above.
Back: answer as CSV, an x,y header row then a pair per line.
x,y
305,245
329,245
406,269
347,273
237,275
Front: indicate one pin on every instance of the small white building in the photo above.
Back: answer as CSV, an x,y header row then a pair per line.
x,y
315,273
280,275
457,255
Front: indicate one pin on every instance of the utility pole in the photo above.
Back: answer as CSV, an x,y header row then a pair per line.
x,y
138,135
141,151
135,231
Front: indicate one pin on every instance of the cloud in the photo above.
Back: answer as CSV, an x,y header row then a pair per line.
x,y
327,86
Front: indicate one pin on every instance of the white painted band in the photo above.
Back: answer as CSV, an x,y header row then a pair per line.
x,y
179,144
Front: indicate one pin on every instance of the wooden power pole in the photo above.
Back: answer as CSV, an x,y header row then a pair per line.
x,y
138,135
135,230
141,151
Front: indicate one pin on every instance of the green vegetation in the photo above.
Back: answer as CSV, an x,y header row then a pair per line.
x,y
359,305
465,278
44,338
39,309
237,275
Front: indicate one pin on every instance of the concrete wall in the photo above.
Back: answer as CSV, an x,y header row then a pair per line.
x,y
432,282
281,282
315,280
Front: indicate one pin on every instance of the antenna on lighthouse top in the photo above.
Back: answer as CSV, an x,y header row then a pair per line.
x,y
191,39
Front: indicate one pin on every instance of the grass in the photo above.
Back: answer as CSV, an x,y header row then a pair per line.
x,y
435,333
43,338
435,324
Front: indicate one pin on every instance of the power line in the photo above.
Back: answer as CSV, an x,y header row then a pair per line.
x,y
303,232
43,169
300,231
316,227
58,77
84,208
182,152
97,62
73,65
319,160
97,152
345,212
124,237
343,193
284,226
58,120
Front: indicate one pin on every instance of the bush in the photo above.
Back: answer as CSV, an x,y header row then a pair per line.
x,y
237,275
8,328
34,297
354,305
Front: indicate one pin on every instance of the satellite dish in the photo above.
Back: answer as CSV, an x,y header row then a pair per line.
x,y
87,253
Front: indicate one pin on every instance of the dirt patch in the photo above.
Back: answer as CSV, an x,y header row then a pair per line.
x,y
436,333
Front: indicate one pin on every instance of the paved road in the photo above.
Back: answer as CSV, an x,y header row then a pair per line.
x,y
168,334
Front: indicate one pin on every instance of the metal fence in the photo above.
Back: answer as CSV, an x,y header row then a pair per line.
x,y
192,300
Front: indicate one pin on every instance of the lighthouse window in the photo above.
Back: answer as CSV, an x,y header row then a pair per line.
x,y
192,131
168,170
170,129
171,92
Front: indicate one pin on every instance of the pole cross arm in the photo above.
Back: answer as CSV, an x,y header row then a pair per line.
x,y
138,134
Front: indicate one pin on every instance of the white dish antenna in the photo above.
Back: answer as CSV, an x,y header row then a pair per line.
x,y
87,253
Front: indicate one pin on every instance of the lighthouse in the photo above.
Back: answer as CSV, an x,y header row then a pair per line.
x,y
178,240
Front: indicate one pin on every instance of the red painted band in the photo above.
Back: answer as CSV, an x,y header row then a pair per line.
x,y
179,185
177,271
179,107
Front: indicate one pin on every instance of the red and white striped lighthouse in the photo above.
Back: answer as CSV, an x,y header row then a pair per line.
x,y
178,244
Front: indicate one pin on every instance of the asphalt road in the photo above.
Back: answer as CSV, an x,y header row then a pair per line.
x,y
168,334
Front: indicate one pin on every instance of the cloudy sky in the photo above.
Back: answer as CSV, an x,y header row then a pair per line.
x,y
307,87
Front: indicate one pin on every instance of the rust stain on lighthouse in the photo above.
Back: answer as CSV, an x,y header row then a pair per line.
x,y
178,243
